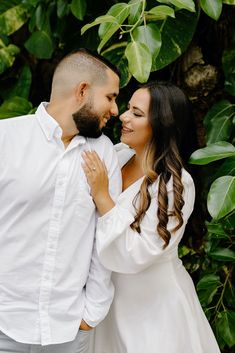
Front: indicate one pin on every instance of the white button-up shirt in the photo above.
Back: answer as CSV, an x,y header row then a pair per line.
x,y
50,276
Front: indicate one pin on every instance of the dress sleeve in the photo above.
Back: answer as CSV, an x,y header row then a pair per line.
x,y
123,250
99,288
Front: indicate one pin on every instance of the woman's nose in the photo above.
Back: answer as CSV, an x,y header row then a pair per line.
x,y
124,116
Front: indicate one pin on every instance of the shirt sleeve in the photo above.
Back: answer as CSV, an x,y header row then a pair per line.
x,y
99,288
123,250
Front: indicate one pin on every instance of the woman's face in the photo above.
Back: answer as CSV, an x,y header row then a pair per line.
x,y
136,129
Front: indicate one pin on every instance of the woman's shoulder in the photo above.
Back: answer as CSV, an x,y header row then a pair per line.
x,y
186,179
124,153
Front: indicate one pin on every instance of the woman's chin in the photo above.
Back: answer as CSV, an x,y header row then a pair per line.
x,y
123,139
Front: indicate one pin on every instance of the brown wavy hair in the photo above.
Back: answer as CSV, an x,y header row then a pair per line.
x,y
169,116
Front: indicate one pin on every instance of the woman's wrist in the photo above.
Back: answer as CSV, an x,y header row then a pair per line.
x,y
104,203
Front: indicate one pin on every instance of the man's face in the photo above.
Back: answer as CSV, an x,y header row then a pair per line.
x,y
101,105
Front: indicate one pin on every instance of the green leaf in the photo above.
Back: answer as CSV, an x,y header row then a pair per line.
x,y
116,54
14,18
99,20
228,63
207,288
23,84
62,8
106,30
135,11
139,60
229,2
40,45
7,56
176,36
221,108
222,254
120,11
220,129
212,152
150,36
221,197
160,12
78,8
225,327
218,229
184,4
227,168
40,17
15,106
212,8
230,294
218,121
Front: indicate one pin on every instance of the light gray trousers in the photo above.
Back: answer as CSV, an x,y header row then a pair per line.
x,y
79,345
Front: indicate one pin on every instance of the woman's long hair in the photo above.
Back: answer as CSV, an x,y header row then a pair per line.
x,y
169,116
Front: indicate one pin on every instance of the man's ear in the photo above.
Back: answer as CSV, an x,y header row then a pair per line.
x,y
81,91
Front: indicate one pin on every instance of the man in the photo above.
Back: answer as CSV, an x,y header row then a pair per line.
x,y
51,281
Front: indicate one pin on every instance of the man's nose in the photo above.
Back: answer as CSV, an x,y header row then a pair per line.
x,y
114,109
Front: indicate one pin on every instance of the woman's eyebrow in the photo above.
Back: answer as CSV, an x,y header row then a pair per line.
x,y
136,108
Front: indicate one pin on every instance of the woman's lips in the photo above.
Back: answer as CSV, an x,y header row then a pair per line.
x,y
126,130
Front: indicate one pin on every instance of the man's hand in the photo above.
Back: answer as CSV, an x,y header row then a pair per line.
x,y
84,326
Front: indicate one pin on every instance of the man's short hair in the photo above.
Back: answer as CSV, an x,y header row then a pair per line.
x,y
81,65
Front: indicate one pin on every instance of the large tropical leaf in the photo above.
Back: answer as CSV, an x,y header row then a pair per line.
x,y
176,36
212,8
136,7
116,54
212,152
99,20
78,8
225,327
228,61
184,4
120,11
219,121
221,197
14,18
21,87
222,254
227,168
207,288
15,106
150,36
40,45
139,60
160,12
7,55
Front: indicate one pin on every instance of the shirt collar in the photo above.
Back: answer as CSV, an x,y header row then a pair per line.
x,y
50,126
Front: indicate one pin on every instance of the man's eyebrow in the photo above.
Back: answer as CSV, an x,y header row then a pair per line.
x,y
113,94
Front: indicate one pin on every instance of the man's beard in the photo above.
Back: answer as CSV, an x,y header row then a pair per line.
x,y
87,122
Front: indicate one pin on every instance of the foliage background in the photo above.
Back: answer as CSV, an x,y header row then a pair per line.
x,y
191,43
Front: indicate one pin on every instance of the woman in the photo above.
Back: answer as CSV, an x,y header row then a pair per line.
x,y
155,308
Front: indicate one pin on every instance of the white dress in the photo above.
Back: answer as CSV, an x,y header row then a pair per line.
x,y
155,307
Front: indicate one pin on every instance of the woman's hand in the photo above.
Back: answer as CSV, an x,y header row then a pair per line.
x,y
84,326
96,174
97,177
